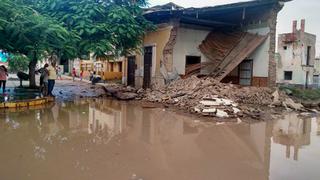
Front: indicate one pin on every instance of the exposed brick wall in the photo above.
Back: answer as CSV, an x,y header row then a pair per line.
x,y
260,81
168,49
272,70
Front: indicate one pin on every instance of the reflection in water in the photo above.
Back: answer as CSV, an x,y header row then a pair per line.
x,y
106,119
292,131
105,139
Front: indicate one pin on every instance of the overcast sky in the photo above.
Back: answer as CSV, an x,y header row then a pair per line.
x,y
297,9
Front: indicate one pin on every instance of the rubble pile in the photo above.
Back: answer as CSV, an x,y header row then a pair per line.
x,y
192,90
120,92
209,97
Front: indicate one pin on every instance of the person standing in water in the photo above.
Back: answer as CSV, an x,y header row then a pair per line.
x,y
51,78
3,78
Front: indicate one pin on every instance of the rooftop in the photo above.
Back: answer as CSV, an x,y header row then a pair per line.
x,y
235,14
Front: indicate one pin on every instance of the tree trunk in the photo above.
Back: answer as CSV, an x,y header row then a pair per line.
x,y
32,69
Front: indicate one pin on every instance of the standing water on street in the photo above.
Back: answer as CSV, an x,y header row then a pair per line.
x,y
105,139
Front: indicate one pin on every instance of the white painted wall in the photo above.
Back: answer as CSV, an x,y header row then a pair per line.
x,y
292,59
187,44
261,55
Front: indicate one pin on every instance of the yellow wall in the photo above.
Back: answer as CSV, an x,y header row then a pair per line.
x,y
111,74
158,39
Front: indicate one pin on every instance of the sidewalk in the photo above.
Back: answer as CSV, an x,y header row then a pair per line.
x,y
87,81
76,79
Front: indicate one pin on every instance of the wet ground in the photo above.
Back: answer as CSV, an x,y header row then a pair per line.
x,y
14,94
67,90
64,90
105,139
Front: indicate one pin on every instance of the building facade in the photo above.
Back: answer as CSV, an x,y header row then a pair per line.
x,y
296,63
233,43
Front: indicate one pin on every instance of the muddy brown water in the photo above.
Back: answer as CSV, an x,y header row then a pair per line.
x,y
111,140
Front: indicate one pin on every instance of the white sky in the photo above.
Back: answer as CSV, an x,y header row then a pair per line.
x,y
297,9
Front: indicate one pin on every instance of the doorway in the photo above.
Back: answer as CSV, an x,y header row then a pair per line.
x,y
147,67
245,72
131,70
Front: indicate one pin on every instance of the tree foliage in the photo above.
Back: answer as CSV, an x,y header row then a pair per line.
x,y
104,26
25,31
71,28
18,63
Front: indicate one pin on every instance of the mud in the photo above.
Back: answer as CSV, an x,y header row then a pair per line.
x,y
67,90
105,139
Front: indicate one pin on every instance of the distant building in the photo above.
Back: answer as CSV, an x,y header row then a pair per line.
x,y
296,64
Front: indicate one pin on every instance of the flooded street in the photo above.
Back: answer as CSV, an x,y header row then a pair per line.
x,y
105,139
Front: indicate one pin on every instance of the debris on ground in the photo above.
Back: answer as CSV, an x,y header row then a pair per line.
x,y
289,103
208,97
125,95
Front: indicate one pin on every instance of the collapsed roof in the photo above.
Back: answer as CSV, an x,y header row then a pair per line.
x,y
236,14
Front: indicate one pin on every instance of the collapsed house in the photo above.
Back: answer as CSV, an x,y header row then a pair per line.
x,y
233,43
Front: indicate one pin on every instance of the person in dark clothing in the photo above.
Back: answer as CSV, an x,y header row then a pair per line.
x,y
44,79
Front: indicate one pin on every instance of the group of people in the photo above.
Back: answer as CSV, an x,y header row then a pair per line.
x,y
93,76
74,74
3,78
49,73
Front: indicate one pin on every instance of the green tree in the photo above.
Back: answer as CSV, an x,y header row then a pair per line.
x,y
18,62
71,28
25,31
104,26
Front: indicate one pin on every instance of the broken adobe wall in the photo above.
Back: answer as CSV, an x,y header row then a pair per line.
x,y
187,43
266,58
167,59
272,66
260,56
158,40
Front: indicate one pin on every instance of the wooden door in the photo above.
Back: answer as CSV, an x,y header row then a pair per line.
x,y
245,72
131,70
147,67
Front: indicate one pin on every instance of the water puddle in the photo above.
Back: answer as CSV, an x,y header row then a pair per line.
x,y
106,139
14,94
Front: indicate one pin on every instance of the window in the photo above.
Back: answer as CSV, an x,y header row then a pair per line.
x,y
288,75
191,60
308,55
285,47
193,65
